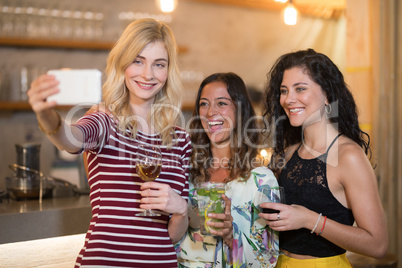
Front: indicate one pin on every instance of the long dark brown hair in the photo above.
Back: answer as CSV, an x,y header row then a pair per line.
x,y
243,141
326,74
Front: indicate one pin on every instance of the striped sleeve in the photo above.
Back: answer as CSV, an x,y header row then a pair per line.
x,y
185,159
96,129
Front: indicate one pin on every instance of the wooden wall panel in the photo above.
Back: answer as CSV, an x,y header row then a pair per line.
x,y
358,73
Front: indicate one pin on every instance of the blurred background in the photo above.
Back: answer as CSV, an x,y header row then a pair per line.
x,y
213,36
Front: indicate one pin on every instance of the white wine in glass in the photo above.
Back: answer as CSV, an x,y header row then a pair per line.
x,y
148,166
148,172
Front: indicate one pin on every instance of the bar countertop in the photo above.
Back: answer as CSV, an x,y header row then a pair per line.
x,y
28,220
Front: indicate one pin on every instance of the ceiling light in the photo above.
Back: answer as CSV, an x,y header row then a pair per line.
x,y
166,5
290,14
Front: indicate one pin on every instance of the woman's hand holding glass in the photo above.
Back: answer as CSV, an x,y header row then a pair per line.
x,y
148,166
224,228
263,200
161,196
291,217
158,196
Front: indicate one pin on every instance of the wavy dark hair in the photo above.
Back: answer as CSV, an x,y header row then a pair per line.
x,y
326,74
243,149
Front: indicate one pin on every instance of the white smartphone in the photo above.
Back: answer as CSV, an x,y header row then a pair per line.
x,y
78,86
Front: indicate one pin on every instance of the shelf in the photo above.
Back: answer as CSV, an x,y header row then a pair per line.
x,y
14,106
24,106
54,43
62,44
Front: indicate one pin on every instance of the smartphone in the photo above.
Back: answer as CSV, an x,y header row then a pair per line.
x,y
77,86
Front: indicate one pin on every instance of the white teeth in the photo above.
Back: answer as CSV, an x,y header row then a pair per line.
x,y
214,123
296,110
145,85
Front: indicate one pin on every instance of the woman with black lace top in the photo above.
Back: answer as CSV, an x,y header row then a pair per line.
x,y
320,156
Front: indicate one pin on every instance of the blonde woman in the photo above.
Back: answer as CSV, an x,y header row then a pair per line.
x,y
142,99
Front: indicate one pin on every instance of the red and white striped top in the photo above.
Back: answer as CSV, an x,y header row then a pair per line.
x,y
116,237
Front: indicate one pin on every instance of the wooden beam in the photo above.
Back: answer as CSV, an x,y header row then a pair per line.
x,y
320,10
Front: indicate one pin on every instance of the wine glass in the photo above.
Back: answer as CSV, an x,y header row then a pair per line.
x,y
266,194
148,165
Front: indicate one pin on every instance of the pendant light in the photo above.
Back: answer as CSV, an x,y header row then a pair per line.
x,y
290,14
166,5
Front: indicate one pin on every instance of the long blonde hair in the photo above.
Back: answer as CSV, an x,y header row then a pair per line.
x,y
166,107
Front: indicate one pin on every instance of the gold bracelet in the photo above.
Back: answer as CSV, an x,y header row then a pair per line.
x,y
54,131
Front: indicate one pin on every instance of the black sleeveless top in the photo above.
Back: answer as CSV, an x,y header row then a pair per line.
x,y
305,183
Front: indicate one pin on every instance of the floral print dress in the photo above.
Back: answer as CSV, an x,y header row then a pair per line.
x,y
250,233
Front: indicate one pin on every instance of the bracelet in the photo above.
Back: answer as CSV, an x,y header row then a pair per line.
x,y
54,131
316,224
323,226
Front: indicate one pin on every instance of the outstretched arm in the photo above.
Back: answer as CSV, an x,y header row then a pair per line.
x,y
61,134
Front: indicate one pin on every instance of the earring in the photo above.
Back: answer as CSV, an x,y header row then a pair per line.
x,y
328,108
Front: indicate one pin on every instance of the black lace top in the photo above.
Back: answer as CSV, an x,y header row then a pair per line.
x,y
305,183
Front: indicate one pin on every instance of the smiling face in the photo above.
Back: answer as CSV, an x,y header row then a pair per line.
x,y
302,99
147,74
217,112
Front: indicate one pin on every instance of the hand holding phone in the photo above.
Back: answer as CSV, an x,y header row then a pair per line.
x,y
77,86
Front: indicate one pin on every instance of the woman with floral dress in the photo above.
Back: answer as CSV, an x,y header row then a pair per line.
x,y
225,140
